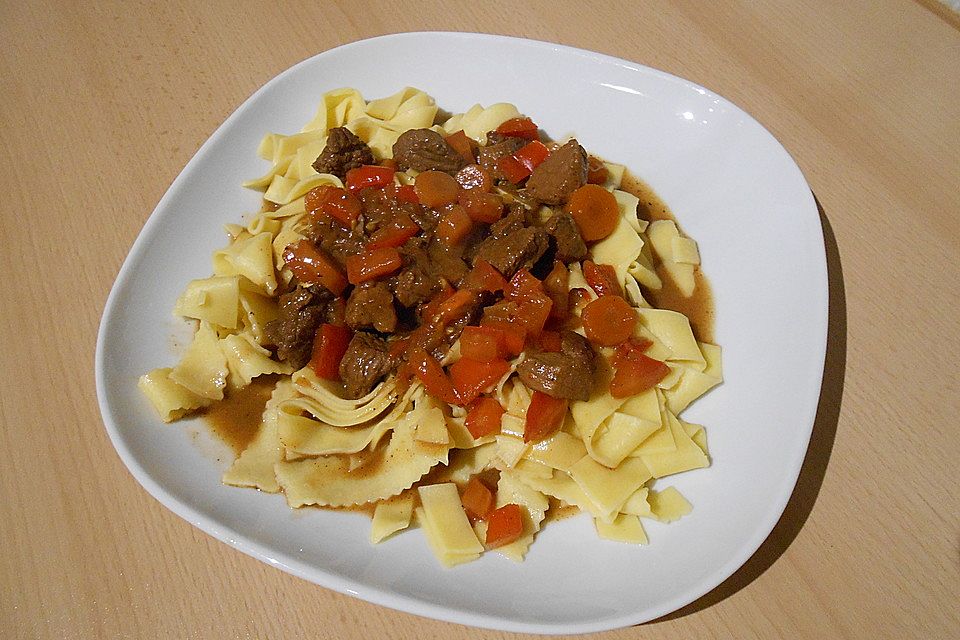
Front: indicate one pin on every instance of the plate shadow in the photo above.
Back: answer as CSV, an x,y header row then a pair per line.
x,y
815,463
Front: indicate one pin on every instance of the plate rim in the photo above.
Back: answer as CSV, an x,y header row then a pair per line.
x,y
393,599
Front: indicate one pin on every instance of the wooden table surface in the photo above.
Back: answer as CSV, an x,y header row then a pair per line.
x,y
100,108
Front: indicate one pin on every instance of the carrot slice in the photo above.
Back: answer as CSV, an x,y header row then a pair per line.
x,y
595,211
436,188
463,145
481,206
484,277
609,320
335,202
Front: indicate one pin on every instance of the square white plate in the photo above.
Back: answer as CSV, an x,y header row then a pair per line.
x,y
733,188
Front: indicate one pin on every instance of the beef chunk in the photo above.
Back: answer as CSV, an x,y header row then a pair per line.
x,y
343,151
329,235
426,150
563,172
515,250
565,374
417,281
365,362
371,306
566,237
301,311
496,148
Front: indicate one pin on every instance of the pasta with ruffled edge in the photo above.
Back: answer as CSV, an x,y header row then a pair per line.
x,y
319,448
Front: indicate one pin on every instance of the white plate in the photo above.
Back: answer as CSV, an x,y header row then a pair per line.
x,y
733,188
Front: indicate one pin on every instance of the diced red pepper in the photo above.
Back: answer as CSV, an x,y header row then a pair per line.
x,y
470,378
524,286
483,277
403,193
483,417
514,335
534,314
393,234
477,499
504,525
602,278
512,170
545,416
373,264
334,202
312,266
329,345
635,372
453,305
532,154
369,176
431,374
454,226
463,145
519,128
398,347
521,164
482,343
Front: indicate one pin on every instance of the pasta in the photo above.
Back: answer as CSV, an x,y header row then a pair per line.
x,y
459,326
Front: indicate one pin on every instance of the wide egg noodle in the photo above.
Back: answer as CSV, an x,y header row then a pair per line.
x,y
321,398
621,248
609,488
391,516
203,368
687,455
256,312
668,505
250,257
478,120
694,383
385,472
247,360
171,400
662,234
672,329
445,523
215,300
533,504
255,465
306,435
624,528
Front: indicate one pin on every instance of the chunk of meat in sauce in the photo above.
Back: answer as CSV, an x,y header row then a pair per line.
x,y
512,251
417,280
343,151
563,172
301,312
366,361
337,241
371,307
426,150
566,237
565,374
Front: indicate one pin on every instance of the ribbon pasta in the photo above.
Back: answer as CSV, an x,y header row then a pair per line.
x,y
402,450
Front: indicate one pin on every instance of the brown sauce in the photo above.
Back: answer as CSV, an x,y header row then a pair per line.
x,y
236,419
699,306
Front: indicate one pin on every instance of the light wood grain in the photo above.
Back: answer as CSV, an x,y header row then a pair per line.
x,y
100,108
